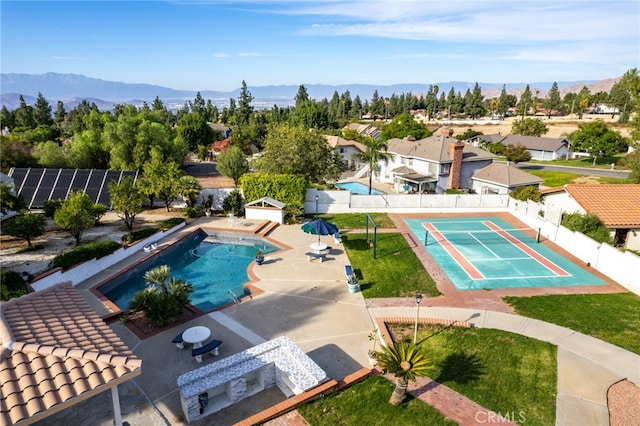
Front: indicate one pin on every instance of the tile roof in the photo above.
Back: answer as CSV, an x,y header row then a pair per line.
x,y
55,351
507,175
617,206
435,148
364,129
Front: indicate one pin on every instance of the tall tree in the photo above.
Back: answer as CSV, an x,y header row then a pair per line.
x,y
194,130
42,112
375,153
233,163
245,109
584,100
302,96
553,103
598,139
126,199
526,102
75,215
297,150
24,115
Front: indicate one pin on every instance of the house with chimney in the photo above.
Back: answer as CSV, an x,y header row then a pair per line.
x,y
432,165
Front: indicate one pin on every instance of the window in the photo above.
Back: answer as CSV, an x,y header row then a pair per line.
x,y
445,169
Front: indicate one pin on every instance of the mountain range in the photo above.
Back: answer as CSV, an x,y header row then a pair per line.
x,y
71,89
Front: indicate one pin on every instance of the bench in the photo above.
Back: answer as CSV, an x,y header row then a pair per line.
x,y
212,347
311,256
178,341
348,270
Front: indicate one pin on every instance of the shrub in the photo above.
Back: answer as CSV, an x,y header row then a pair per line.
x,y
133,236
234,203
170,223
192,212
12,285
83,253
50,207
588,225
525,193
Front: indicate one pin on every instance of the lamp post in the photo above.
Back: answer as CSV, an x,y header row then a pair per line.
x,y
316,206
418,299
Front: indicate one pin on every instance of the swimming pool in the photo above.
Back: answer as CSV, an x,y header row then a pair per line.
x,y
217,270
486,253
358,188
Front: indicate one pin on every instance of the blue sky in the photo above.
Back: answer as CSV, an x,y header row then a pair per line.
x,y
215,45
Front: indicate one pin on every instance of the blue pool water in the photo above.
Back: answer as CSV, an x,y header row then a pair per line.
x,y
358,188
214,269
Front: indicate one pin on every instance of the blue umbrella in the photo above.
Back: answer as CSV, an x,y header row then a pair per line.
x,y
320,227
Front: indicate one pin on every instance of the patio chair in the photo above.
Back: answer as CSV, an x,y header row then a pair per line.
x,y
336,238
178,341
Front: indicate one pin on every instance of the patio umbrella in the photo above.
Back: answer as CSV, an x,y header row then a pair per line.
x,y
320,227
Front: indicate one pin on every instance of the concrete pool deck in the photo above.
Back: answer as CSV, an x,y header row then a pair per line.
x,y
309,303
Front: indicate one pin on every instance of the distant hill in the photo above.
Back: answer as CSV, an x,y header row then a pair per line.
x,y
71,89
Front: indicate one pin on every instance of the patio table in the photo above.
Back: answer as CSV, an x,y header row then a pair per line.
x,y
318,247
196,335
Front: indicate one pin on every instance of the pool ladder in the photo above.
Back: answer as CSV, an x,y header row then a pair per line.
x,y
233,296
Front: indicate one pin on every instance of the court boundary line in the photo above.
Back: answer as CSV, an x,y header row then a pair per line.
x,y
455,254
528,250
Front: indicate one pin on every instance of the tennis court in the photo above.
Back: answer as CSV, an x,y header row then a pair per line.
x,y
488,253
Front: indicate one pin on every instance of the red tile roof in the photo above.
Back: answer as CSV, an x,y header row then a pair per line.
x,y
617,206
55,351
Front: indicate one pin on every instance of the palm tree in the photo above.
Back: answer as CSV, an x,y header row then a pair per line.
x,y
160,301
376,152
406,361
158,276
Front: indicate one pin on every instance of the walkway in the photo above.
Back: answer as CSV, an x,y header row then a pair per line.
x,y
587,367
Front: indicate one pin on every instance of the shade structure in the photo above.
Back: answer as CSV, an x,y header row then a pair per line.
x,y
320,227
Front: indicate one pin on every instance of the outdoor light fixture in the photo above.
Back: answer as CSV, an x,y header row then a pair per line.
x,y
418,299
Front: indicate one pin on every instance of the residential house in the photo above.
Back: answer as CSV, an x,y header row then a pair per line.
x,y
540,148
224,130
349,150
56,352
364,129
219,146
433,164
502,178
617,207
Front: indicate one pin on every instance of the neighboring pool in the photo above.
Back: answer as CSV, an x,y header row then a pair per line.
x,y
216,270
358,188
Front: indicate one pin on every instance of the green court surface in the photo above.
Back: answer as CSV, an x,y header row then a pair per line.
x,y
488,253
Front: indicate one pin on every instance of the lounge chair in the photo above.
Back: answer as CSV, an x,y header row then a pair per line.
x,y
336,238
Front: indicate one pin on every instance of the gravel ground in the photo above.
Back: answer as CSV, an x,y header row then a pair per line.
x,y
624,404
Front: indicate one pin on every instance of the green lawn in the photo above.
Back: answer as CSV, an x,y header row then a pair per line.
x,y
614,318
501,371
396,271
366,403
358,220
553,179
504,372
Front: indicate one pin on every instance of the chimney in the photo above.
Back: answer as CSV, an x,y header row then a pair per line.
x,y
455,152
446,131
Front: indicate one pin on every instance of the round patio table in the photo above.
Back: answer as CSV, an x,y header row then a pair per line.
x,y
196,335
318,247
